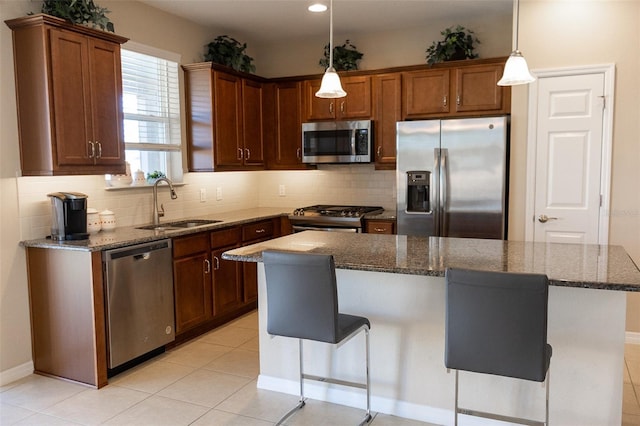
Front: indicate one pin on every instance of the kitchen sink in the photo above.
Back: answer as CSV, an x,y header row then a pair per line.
x,y
179,224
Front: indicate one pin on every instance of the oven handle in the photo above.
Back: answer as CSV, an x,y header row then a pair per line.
x,y
300,228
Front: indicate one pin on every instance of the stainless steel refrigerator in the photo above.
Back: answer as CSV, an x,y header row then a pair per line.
x,y
452,177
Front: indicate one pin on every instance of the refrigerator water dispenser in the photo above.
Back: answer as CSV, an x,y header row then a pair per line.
x,y
418,191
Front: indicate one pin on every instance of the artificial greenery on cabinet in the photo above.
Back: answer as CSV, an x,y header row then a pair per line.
x,y
82,12
458,43
228,51
345,57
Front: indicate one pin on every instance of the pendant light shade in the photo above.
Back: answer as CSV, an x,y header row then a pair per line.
x,y
516,70
330,87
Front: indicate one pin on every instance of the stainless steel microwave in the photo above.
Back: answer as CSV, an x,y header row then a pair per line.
x,y
337,142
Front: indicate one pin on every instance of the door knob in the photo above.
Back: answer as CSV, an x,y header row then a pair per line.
x,y
543,218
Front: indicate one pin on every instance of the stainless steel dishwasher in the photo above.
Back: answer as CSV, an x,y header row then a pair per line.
x,y
139,300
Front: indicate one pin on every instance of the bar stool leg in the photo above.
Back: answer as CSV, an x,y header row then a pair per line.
x,y
302,400
367,416
455,422
547,401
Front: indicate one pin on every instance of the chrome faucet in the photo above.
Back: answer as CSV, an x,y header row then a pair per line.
x,y
159,212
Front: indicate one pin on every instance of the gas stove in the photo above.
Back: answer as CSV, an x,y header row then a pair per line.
x,y
331,218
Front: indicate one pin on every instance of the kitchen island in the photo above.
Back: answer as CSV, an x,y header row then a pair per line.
x,y
398,283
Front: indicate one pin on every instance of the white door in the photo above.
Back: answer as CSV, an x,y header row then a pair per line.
x,y
568,158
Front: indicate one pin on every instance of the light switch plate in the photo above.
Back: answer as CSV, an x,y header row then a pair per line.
x,y
219,193
203,195
282,191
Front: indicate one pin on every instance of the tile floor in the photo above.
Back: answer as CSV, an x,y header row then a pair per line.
x,y
208,381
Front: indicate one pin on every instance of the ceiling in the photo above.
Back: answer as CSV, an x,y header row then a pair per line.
x,y
275,20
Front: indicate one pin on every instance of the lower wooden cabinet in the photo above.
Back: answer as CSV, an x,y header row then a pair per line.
x,y
209,290
380,226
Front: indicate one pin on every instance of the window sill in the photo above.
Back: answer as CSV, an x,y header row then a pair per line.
x,y
129,187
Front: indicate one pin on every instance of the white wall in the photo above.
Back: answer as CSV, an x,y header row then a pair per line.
x,y
565,33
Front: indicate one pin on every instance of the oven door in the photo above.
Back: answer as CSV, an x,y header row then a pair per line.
x,y
300,228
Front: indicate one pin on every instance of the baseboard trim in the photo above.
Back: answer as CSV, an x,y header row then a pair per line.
x,y
632,338
16,373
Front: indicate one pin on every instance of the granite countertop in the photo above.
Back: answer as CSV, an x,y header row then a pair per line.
x,y
568,265
128,235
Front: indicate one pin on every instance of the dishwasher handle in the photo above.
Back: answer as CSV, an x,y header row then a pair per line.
x,y
143,256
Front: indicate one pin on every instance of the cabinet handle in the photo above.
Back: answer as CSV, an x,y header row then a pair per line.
x,y
216,263
379,153
207,266
342,106
298,151
240,153
260,231
331,107
99,155
379,229
458,100
444,100
92,152
248,154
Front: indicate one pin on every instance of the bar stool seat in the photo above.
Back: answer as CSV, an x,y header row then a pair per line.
x,y
302,303
496,323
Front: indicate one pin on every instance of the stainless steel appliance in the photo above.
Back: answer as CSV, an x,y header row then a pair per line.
x,y
452,177
139,300
337,142
68,216
331,218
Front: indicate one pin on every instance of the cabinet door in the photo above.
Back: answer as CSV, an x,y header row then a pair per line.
x,y
71,98
192,290
253,134
388,105
425,93
198,84
316,108
477,88
228,120
357,103
288,126
227,288
106,94
380,227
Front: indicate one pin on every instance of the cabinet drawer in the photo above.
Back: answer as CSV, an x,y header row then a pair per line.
x,y
196,243
225,237
380,227
258,230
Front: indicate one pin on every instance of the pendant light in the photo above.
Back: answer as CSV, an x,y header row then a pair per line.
x,y
330,86
516,70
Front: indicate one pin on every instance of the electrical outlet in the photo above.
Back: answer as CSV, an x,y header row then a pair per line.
x,y
203,195
219,193
282,191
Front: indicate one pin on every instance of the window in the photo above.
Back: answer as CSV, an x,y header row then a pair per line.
x,y
151,105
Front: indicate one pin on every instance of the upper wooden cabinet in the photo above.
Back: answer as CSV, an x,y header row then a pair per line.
x,y
356,105
387,91
69,96
459,89
284,126
224,119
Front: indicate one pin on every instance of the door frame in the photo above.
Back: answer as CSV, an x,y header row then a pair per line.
x,y
607,143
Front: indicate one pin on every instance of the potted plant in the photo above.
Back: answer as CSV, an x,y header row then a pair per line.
x,y
458,44
228,51
82,12
345,57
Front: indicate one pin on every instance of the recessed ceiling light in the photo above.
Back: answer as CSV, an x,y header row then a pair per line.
x,y
318,7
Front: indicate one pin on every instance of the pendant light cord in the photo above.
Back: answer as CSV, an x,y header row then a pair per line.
x,y
331,35
516,12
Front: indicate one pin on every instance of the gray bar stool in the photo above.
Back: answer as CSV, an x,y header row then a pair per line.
x,y
496,323
302,302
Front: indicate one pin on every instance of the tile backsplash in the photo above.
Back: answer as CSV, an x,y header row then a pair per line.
x,y
339,184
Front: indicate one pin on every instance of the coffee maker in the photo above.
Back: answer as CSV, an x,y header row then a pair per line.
x,y
68,216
